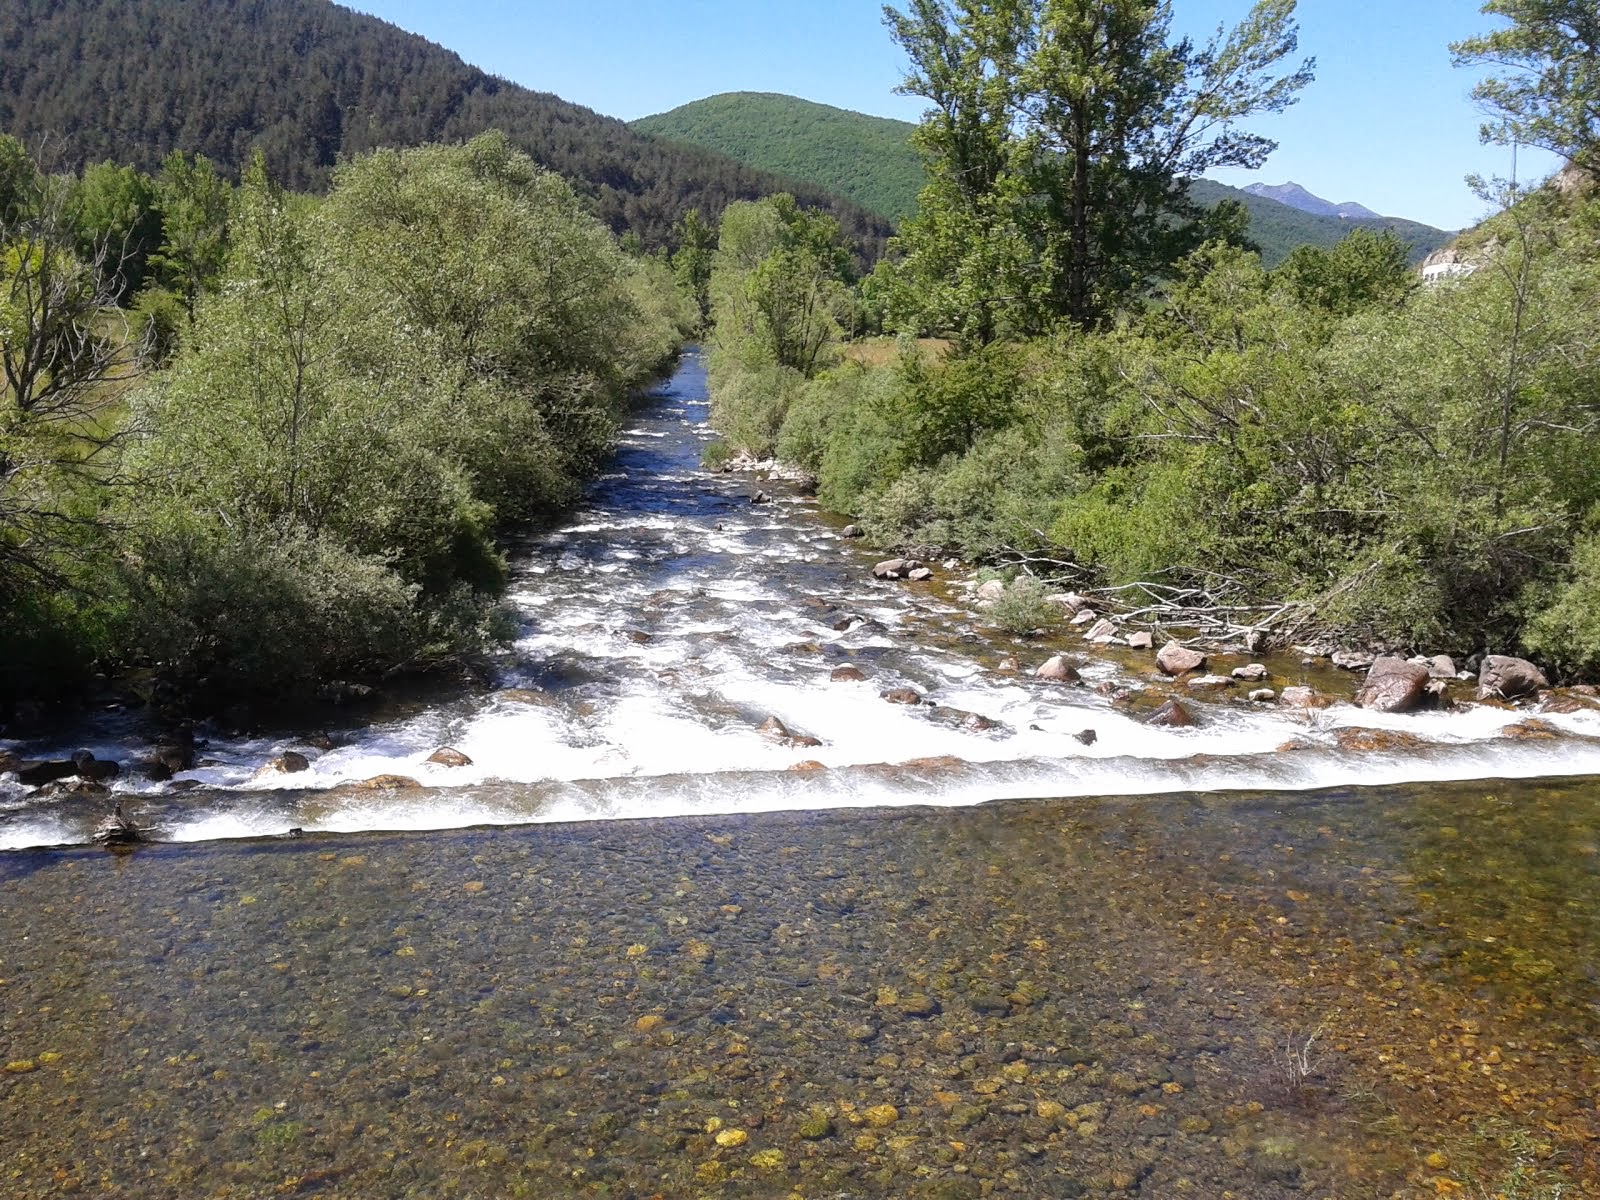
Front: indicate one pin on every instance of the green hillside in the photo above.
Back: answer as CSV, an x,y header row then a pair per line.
x,y
1278,229
867,159
306,81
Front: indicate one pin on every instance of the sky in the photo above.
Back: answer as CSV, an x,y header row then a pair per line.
x,y
1389,122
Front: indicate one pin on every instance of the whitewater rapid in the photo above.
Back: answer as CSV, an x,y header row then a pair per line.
x,y
670,617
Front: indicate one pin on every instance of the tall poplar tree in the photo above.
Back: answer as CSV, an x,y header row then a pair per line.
x,y
1061,139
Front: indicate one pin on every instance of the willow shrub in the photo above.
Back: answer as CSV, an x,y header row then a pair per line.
x,y
441,349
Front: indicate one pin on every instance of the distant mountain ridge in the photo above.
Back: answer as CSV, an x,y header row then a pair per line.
x,y
871,160
867,159
307,81
1295,196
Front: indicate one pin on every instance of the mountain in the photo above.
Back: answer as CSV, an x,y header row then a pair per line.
x,y
1278,228
868,159
307,81
1296,196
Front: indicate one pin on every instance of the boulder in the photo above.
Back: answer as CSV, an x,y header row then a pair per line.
x,y
1143,640
991,590
1394,686
1210,683
1303,697
287,763
850,531
1252,672
848,674
1172,715
902,695
1177,659
1440,666
87,766
1504,678
1057,670
895,568
37,774
449,756
919,575
775,729
1087,737
9,762
1352,660
1102,632
1263,695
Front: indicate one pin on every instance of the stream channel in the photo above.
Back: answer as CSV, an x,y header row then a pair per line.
x,y
648,949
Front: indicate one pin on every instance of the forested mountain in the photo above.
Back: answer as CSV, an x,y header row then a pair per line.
x,y
868,159
1277,228
307,81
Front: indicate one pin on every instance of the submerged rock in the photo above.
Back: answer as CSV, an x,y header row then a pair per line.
x,y
1505,678
1252,672
1380,740
774,729
1087,737
1303,697
1394,686
1177,659
848,674
387,783
902,695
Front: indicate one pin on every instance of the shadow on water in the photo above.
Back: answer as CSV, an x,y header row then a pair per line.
x,y
1346,993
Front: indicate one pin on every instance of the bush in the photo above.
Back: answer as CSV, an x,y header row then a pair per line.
x,y
1024,607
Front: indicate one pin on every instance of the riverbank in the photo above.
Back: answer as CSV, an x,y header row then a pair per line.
x,y
1347,993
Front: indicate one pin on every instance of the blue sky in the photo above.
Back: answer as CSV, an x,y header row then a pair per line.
x,y
1388,123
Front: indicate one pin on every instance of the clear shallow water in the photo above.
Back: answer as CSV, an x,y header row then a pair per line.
x,y
1057,998
670,617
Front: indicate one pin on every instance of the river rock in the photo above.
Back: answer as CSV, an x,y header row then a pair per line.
x,y
287,763
1057,670
449,756
1102,632
1303,697
1263,695
1177,659
1087,737
848,674
919,575
1352,660
761,498
1084,616
1204,683
775,729
87,766
9,762
1143,640
1070,601
1440,666
1505,678
1393,686
1172,715
895,568
850,531
387,783
528,696
902,695
37,774
978,723
1252,672
1356,738
990,590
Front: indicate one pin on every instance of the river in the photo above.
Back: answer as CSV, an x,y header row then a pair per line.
x,y
670,618
638,953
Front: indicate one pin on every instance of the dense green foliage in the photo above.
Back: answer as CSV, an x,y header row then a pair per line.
x,y
1060,140
868,159
371,387
1549,56
1276,229
306,81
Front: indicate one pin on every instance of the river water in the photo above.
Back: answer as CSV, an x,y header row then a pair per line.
x,y
670,618
1202,966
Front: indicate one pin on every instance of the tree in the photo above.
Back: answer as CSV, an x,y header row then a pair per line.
x,y
691,263
1550,95
118,217
1061,141
194,218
